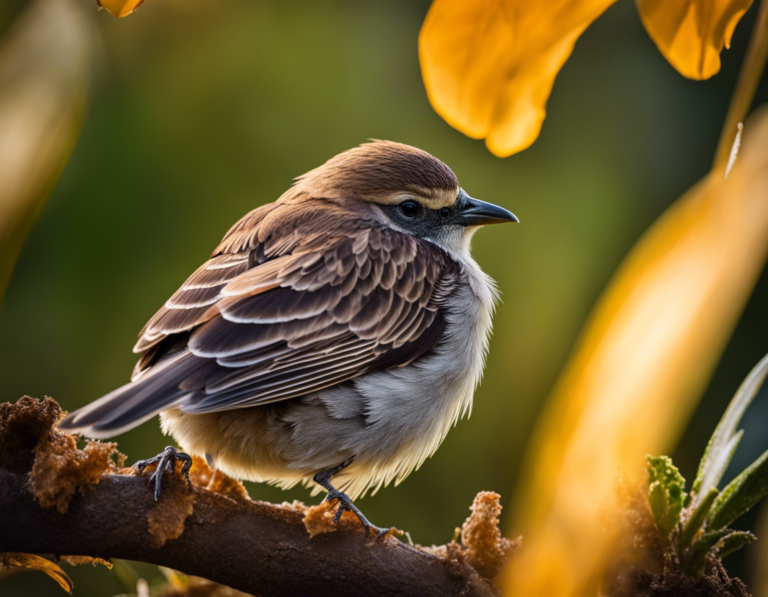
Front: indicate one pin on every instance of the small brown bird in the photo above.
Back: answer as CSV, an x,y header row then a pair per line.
x,y
338,332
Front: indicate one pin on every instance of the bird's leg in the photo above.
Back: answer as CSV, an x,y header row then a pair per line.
x,y
166,463
323,478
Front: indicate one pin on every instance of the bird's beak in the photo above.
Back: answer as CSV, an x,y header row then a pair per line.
x,y
474,212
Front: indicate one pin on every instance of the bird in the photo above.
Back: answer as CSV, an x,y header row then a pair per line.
x,y
332,339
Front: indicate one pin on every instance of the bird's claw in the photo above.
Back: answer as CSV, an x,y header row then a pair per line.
x,y
346,504
323,478
166,463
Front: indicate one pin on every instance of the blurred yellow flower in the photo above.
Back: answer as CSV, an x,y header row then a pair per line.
x,y
648,350
489,65
45,68
119,8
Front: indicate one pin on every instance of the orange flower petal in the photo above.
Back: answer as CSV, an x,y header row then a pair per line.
x,y
489,65
691,33
119,8
646,354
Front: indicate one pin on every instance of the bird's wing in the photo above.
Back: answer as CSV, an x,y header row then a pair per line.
x,y
190,305
307,321
234,336
264,242
310,320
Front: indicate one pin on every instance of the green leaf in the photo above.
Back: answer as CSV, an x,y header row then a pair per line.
x,y
733,541
666,492
725,439
697,518
741,494
697,555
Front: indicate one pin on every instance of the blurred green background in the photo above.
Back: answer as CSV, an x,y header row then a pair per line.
x,y
203,110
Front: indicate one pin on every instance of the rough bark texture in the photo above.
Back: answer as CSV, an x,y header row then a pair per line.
x,y
254,547
259,548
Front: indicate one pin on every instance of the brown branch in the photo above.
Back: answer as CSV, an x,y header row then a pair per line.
x,y
251,546
255,547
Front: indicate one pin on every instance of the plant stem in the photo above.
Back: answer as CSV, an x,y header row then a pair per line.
x,y
696,519
749,77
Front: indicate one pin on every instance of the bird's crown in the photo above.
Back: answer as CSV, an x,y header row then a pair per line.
x,y
381,172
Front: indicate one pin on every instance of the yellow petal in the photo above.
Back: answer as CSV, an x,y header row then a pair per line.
x,y
489,65
691,33
119,8
647,352
45,63
26,561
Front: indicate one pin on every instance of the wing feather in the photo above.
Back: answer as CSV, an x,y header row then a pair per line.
x,y
318,327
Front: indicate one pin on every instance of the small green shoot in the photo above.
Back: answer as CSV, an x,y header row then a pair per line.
x,y
700,531
697,555
697,518
741,494
736,540
666,492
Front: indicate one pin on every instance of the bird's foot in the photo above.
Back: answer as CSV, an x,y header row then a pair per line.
x,y
346,504
166,463
323,478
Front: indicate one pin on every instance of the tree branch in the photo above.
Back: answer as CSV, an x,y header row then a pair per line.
x,y
251,546
255,547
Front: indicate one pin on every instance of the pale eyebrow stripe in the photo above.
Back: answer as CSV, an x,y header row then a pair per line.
x,y
430,199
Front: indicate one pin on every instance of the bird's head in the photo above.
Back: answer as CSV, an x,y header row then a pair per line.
x,y
401,187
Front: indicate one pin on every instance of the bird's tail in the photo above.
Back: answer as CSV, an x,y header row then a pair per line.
x,y
135,402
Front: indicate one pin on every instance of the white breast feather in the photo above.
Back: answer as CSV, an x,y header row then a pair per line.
x,y
422,401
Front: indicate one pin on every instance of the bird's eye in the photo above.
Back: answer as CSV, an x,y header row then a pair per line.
x,y
410,209
445,212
